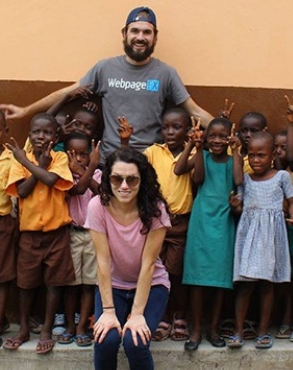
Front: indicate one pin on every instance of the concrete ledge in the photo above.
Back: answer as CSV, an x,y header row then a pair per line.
x,y
167,355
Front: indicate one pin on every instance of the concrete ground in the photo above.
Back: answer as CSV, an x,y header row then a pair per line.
x,y
167,355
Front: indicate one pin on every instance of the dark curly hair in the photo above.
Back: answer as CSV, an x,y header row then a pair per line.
x,y
149,193
219,121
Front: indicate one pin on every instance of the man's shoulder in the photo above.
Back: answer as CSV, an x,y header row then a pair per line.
x,y
159,63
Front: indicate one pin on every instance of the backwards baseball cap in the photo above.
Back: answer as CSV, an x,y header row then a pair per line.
x,y
135,16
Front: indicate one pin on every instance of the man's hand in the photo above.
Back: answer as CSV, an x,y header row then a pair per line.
x,y
13,111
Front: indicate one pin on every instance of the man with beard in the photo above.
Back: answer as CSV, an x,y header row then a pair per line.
x,y
134,85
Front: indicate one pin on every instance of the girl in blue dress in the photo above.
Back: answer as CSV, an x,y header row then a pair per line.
x,y
262,255
208,259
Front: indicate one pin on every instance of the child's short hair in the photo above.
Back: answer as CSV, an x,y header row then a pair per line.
x,y
257,115
90,112
265,136
182,112
76,136
281,133
46,116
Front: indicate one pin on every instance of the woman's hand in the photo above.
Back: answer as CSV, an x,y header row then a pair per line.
x,y
107,321
138,326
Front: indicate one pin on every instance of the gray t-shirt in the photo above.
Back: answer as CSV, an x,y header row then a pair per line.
x,y
137,92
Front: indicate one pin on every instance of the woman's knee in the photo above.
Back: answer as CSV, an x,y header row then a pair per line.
x,y
130,347
110,343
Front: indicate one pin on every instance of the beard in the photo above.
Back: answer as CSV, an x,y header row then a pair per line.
x,y
138,56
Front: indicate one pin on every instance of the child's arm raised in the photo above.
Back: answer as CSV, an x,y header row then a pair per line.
x,y
15,112
79,92
86,174
39,173
235,144
184,164
226,111
125,131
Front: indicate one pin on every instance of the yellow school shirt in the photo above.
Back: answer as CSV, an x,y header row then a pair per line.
x,y
177,190
6,159
45,209
246,166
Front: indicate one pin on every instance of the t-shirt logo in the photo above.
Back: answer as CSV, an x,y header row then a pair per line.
x,y
153,85
149,85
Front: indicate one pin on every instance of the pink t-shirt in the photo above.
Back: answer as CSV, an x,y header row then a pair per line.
x,y
78,203
126,245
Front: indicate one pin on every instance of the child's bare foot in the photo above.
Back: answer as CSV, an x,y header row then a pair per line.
x,y
45,346
45,343
15,342
65,338
82,339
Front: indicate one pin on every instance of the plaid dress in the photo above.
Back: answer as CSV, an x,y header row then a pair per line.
x,y
261,247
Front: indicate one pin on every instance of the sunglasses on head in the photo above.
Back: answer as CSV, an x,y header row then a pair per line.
x,y
117,180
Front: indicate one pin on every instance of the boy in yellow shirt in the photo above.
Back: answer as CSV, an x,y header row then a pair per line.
x,y
40,179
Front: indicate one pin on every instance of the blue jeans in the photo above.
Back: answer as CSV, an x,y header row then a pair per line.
x,y
139,357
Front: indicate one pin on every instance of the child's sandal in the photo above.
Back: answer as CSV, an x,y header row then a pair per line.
x,y
179,330
284,332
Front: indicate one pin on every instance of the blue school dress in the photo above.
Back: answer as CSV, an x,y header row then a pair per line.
x,y
261,247
208,258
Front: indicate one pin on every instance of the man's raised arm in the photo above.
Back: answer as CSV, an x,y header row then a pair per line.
x,y
15,112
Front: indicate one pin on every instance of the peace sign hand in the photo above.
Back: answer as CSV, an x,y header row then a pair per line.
x,y
233,140
95,153
226,112
195,134
45,158
18,153
75,167
289,109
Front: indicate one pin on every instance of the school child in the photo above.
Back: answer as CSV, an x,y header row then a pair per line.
x,y
86,177
7,226
261,249
85,119
250,123
177,190
208,257
41,179
284,146
284,290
